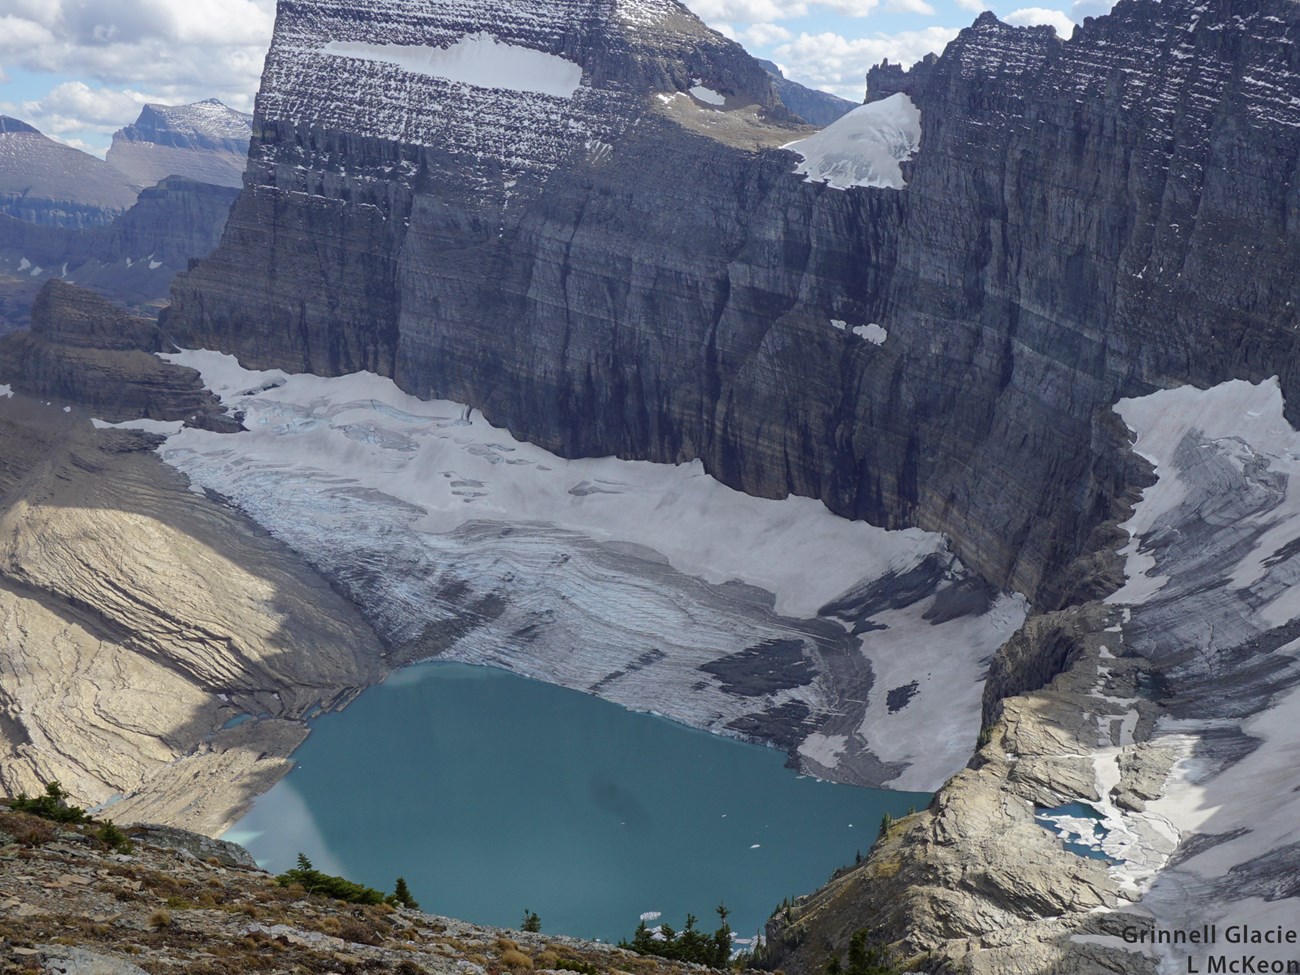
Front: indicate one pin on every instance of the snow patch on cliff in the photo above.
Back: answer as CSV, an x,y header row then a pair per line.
x,y
1213,590
478,59
871,332
865,147
709,96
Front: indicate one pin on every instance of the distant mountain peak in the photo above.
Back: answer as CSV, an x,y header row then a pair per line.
x,y
10,124
48,182
210,119
206,141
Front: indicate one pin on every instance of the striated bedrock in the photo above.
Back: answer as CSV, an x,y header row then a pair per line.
x,y
83,350
1084,219
205,141
137,618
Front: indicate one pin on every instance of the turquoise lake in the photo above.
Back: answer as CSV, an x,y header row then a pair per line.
x,y
492,793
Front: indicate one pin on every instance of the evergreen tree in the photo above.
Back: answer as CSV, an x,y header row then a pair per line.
x,y
643,941
402,895
532,922
719,953
53,805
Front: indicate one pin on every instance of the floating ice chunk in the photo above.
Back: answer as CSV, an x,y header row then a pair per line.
x,y
479,59
865,147
24,264
6,390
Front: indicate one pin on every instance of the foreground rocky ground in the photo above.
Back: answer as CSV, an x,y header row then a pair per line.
x,y
183,903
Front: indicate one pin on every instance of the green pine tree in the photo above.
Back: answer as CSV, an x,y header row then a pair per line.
x,y
402,895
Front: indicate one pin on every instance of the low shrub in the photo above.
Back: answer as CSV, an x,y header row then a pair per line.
x,y
516,961
339,888
53,805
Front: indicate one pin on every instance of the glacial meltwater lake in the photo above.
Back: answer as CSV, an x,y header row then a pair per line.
x,y
491,793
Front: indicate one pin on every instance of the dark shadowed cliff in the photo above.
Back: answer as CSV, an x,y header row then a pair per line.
x,y
1078,224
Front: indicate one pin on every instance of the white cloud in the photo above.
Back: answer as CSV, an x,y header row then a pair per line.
x,y
730,12
175,50
910,7
746,11
18,34
837,64
762,35
974,6
1089,8
95,107
1041,16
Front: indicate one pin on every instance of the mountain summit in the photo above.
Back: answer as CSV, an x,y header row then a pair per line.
x,y
205,141
47,182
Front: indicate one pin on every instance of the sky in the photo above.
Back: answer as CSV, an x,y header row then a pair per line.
x,y
80,69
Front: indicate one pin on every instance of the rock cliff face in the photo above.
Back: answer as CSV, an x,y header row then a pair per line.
x,y
131,260
139,618
83,350
206,141
1063,240
1083,221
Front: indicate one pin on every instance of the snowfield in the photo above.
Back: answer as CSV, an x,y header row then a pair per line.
x,y
1212,600
652,585
864,148
478,59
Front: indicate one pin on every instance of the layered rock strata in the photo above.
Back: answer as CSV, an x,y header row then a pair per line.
x,y
1078,224
131,260
1084,220
83,350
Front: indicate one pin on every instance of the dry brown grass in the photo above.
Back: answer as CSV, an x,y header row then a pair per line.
x,y
516,961
30,831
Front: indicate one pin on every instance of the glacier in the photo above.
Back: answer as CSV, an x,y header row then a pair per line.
x,y
652,585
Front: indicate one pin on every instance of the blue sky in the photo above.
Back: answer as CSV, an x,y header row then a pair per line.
x,y
80,69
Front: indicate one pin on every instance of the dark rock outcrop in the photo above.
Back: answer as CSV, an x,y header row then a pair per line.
x,y
1085,219
83,350
814,107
